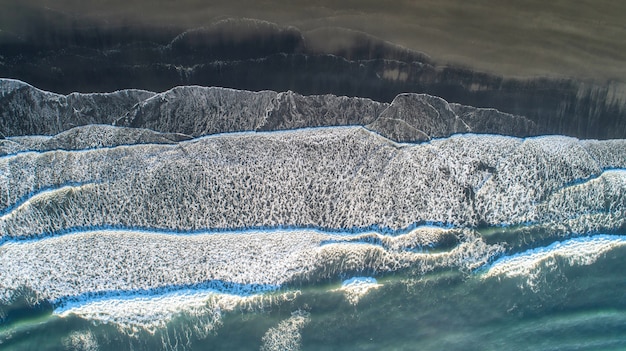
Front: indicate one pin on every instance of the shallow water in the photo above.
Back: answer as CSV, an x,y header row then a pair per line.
x,y
566,300
126,265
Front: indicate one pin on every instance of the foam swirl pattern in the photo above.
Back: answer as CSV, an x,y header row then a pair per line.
x,y
146,227
237,262
342,178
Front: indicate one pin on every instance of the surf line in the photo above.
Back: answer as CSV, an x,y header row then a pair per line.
x,y
69,302
562,248
43,191
351,231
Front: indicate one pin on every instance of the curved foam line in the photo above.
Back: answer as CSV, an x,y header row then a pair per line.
x,y
357,287
218,286
592,213
265,229
266,132
184,296
42,192
577,182
522,260
41,152
580,181
305,129
396,144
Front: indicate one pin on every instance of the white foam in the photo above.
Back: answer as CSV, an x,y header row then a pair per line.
x,y
109,263
81,341
331,178
591,206
149,313
357,287
286,336
48,195
576,252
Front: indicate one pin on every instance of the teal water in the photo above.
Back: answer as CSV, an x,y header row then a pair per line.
x,y
561,304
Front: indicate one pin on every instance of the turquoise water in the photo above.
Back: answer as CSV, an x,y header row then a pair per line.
x,y
566,300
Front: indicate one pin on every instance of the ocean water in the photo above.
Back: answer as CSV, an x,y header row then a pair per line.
x,y
567,295
188,247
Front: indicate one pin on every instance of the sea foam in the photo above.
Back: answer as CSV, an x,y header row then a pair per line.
x,y
357,287
108,264
580,251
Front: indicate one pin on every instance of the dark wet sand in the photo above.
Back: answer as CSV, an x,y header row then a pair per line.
x,y
582,39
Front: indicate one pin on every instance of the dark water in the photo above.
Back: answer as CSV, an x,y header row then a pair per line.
x,y
559,65
568,300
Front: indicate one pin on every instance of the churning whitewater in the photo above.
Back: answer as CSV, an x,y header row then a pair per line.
x,y
156,240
